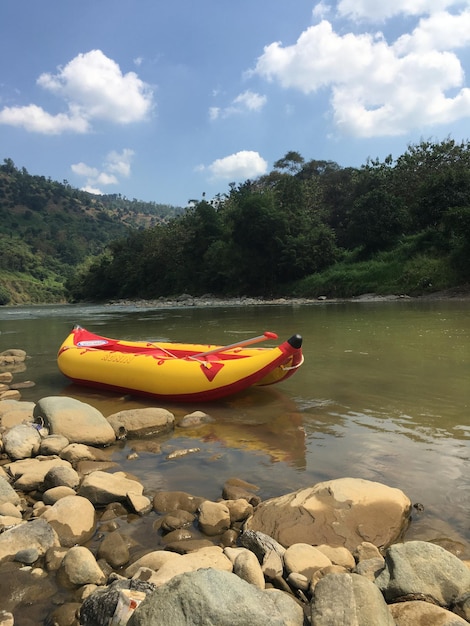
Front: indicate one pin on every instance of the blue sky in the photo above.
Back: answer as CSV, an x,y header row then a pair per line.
x,y
167,101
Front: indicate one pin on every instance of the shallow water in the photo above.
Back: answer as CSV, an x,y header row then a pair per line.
x,y
384,395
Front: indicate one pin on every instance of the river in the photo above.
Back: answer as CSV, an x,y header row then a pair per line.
x,y
384,395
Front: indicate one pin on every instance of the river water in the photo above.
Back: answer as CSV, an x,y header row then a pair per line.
x,y
384,395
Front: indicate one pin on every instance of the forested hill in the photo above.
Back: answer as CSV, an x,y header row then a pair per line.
x,y
48,228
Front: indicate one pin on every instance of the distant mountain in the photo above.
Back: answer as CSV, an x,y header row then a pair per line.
x,y
49,228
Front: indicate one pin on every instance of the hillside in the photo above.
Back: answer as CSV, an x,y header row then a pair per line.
x,y
48,228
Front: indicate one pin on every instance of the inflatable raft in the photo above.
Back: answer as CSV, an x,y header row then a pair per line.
x,y
176,371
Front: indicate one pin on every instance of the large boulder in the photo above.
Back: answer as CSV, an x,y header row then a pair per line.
x,y
73,518
343,512
419,568
77,421
208,596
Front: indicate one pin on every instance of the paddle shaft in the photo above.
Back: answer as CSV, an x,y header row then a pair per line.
x,y
239,344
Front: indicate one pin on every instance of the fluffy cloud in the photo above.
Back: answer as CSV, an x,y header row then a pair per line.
x,y
246,101
239,166
94,89
379,88
115,164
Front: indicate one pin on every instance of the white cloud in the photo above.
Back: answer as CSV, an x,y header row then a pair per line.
x,y
239,166
246,101
93,88
377,88
380,10
115,164
34,119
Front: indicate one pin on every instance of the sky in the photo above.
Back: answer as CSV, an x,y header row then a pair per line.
x,y
172,101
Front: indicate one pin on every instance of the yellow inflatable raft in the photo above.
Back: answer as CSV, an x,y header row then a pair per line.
x,y
176,371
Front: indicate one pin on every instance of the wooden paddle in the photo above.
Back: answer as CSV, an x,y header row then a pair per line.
x,y
239,344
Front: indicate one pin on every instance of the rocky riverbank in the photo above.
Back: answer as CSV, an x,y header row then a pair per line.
x,y
328,554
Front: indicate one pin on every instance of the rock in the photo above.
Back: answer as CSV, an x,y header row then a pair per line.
x,y
214,518
73,518
370,568
75,420
239,509
366,550
138,503
338,556
56,493
80,567
419,567
342,512
53,444
13,412
419,612
176,519
21,441
10,394
234,488
152,560
146,422
10,509
349,599
210,557
166,501
304,559
29,474
195,419
77,453
28,556
61,476
113,549
7,493
247,567
36,534
102,488
179,603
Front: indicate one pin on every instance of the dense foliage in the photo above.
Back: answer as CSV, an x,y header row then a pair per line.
x,y
308,229
47,229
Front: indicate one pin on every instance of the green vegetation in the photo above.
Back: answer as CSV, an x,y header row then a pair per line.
x,y
305,229
48,229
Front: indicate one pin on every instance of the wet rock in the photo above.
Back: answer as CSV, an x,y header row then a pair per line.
x,y
178,603
76,453
114,550
342,512
239,509
20,587
234,488
28,556
176,519
349,599
167,501
214,518
195,419
75,420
